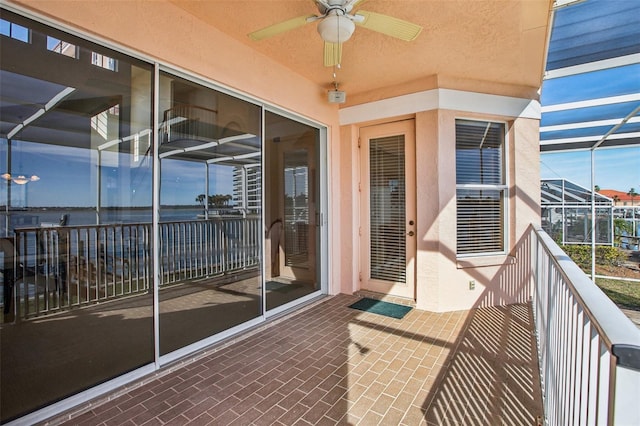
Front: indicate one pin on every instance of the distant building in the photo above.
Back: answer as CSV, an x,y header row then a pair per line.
x,y
620,199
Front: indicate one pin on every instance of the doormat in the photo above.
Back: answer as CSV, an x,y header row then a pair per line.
x,y
379,307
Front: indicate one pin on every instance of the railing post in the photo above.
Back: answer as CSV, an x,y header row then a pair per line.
x,y
626,393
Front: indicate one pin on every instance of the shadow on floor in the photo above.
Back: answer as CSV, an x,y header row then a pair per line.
x,y
329,364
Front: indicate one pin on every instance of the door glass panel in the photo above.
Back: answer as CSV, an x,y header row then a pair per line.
x,y
292,210
210,215
76,199
387,206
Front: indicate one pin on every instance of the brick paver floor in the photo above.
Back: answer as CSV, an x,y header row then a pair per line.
x,y
330,364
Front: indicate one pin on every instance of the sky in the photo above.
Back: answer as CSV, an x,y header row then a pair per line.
x,y
597,41
615,168
68,179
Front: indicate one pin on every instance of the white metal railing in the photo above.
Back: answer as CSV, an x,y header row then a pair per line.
x,y
589,351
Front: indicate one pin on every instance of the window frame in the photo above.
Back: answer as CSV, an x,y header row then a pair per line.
x,y
503,187
12,33
58,48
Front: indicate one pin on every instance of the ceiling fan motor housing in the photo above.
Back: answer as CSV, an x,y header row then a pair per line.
x,y
336,27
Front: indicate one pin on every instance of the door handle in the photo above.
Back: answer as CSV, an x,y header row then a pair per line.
x,y
411,233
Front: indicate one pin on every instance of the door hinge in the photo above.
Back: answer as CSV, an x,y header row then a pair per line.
x,y
359,187
358,142
359,276
360,230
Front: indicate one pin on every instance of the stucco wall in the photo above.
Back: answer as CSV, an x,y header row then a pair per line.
x,y
498,279
442,280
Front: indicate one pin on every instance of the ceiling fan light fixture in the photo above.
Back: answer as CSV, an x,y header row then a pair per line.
x,y
20,179
336,28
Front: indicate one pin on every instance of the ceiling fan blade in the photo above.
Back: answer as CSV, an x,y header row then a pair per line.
x,y
332,54
279,28
389,25
354,3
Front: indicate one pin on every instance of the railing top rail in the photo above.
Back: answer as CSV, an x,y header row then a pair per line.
x,y
27,229
213,219
617,331
133,224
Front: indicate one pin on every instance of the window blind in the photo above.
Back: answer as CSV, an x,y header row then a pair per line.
x,y
480,221
480,187
387,207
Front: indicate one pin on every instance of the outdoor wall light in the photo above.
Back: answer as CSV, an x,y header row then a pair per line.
x,y
20,179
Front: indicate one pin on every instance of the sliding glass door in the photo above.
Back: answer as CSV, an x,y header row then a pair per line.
x,y
216,221
75,194
210,212
292,210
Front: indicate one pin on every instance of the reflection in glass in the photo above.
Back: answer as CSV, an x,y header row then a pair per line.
x,y
76,301
296,209
211,215
292,210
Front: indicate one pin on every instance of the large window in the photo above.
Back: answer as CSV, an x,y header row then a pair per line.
x,y
75,213
480,187
210,230
83,262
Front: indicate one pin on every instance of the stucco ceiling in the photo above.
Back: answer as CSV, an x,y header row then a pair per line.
x,y
487,40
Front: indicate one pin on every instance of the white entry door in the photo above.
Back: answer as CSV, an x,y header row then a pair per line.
x,y
387,206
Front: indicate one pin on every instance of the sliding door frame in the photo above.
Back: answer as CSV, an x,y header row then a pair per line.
x,y
321,223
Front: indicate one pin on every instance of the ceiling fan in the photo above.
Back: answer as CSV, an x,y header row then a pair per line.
x,y
336,24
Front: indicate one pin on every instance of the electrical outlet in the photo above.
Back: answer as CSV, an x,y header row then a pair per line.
x,y
472,285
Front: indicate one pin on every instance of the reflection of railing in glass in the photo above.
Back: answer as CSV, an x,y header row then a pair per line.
x,y
198,249
296,208
61,267
189,121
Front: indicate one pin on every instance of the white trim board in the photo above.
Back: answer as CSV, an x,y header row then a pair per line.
x,y
588,124
441,99
611,100
593,138
620,61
